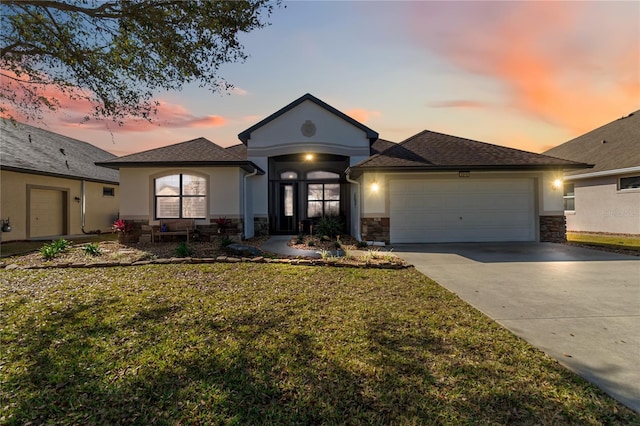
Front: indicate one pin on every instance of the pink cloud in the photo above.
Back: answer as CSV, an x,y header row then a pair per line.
x,y
362,115
571,64
168,115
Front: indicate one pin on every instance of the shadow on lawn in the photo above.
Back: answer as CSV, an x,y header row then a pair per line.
x,y
262,367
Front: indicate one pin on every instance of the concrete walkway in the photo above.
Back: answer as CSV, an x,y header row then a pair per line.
x,y
580,306
278,244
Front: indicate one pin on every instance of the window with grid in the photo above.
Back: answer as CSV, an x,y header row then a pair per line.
x,y
180,196
323,199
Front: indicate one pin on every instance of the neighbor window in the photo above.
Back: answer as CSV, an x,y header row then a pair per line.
x,y
569,197
323,199
108,192
632,182
180,196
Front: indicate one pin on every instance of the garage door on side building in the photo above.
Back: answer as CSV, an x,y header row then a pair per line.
x,y
47,212
462,210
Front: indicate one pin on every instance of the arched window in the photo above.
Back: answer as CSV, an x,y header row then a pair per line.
x,y
289,175
180,196
321,174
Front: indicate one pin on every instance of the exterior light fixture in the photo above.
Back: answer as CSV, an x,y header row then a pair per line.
x,y
557,184
375,187
6,226
308,157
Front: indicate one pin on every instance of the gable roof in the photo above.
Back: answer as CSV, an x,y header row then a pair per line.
x,y
614,146
196,152
246,135
29,149
431,151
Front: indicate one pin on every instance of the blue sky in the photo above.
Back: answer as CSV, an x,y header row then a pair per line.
x,y
529,75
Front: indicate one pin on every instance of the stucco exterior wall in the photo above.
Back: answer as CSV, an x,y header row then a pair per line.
x,y
224,191
601,207
284,135
100,211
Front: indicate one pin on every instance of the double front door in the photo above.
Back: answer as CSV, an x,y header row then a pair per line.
x,y
299,203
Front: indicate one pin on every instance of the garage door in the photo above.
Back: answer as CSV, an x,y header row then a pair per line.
x,y
461,210
46,213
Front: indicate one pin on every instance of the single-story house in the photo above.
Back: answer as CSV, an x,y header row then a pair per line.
x,y
605,198
309,160
51,186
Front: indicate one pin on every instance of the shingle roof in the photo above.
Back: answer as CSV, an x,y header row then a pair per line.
x,y
196,152
240,150
611,147
436,151
371,134
381,145
29,149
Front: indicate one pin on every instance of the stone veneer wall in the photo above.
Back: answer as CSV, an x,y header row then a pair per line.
x,y
375,229
260,226
553,229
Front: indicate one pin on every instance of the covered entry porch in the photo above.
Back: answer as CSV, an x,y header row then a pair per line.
x,y
305,187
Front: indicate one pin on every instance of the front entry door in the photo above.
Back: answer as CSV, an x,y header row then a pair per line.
x,y
288,206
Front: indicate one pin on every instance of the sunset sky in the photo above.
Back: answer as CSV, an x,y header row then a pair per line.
x,y
528,75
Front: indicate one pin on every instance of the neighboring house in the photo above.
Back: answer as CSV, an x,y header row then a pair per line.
x,y
605,198
309,159
51,186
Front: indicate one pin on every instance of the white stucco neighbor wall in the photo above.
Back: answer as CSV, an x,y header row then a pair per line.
x,y
224,191
601,207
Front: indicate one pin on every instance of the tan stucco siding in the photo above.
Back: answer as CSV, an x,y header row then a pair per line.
x,y
224,191
601,207
100,210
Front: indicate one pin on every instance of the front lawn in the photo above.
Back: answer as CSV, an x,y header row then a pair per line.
x,y
269,344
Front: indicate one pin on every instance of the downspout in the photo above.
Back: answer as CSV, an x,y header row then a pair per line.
x,y
359,202
244,199
83,207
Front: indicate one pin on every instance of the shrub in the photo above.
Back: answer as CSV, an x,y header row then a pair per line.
x,y
223,223
183,250
329,225
362,244
300,239
224,242
91,249
49,251
61,244
54,248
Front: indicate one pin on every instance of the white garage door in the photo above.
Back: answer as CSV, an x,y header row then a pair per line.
x,y
461,210
46,213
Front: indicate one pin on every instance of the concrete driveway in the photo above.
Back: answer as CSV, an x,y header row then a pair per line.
x,y
578,305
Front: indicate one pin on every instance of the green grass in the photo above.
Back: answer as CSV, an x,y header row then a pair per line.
x,y
612,241
242,344
14,248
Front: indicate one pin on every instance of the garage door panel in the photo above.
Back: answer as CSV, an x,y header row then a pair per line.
x,y
46,212
462,210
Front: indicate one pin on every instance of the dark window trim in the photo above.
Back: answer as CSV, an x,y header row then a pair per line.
x,y
180,197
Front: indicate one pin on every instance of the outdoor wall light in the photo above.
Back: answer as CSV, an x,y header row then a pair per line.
x,y
375,187
76,199
557,184
308,157
6,226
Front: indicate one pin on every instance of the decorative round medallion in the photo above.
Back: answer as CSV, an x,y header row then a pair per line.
x,y
308,129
